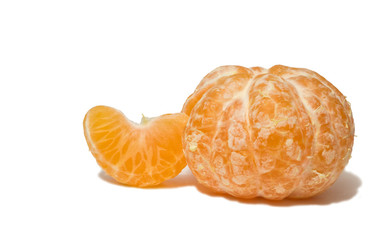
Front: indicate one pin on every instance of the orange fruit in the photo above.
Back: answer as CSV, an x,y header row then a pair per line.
x,y
139,155
274,133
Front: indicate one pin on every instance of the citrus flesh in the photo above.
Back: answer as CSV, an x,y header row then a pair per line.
x,y
141,155
274,133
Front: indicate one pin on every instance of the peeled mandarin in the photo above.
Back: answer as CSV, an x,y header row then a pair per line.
x,y
272,133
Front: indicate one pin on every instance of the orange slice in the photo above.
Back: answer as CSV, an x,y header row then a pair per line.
x,y
141,155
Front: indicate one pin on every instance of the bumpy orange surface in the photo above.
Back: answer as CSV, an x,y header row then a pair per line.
x,y
275,133
140,155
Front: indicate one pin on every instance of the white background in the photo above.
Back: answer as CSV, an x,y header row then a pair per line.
x,y
60,58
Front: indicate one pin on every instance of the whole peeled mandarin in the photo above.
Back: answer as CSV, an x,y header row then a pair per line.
x,y
274,133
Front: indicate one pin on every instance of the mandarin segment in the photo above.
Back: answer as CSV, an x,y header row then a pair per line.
x,y
140,155
274,133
